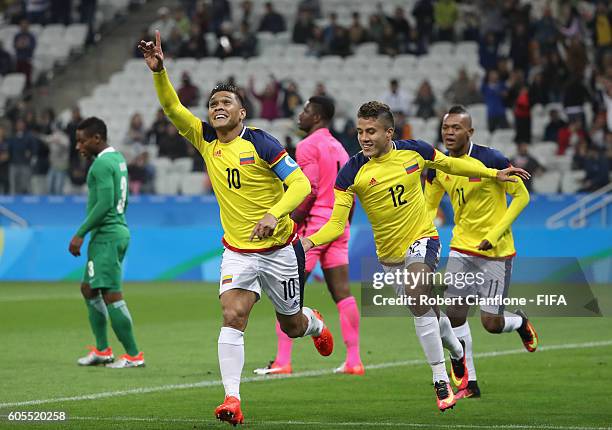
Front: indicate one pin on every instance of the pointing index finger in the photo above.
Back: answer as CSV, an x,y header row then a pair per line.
x,y
157,39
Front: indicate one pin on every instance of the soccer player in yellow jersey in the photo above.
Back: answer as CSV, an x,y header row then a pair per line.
x,y
385,176
482,242
247,168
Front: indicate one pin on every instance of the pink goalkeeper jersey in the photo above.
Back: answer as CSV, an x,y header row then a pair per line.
x,y
320,156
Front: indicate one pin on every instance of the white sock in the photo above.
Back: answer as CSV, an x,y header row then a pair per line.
x,y
463,333
231,359
428,332
511,322
449,338
315,326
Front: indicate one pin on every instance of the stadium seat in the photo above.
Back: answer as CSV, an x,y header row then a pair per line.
x,y
12,85
572,181
193,184
181,165
548,182
502,136
167,184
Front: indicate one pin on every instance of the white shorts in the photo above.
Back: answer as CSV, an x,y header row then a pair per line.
x,y
425,250
279,273
492,278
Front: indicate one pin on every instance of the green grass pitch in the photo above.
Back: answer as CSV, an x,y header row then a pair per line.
x,y
44,328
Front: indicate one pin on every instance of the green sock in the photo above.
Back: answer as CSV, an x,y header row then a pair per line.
x,y
97,320
121,321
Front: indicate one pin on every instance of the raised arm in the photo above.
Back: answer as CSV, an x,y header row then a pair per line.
x,y
461,167
186,123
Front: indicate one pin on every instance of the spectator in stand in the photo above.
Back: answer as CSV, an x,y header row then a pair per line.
x,y
141,174
494,91
401,27
538,90
463,90
423,13
597,171
24,44
555,73
303,29
220,12
330,30
173,45
571,136
61,11
504,69
188,93
268,99
492,19
340,43
291,100
164,24
6,61
403,129
597,133
376,28
171,144
445,17
601,29
22,147
75,120
488,51
414,44
471,32
579,159
194,46
181,22
246,13
5,161
320,90
357,32
226,45
348,138
388,45
396,99
59,159
575,95
576,57
519,49
545,31
246,41
40,159
312,6
425,101
272,21
524,160
136,134
201,17
158,128
316,45
522,116
37,11
555,123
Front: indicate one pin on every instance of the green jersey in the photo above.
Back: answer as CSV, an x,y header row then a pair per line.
x,y
107,184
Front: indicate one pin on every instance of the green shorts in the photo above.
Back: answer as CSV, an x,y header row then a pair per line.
x,y
104,264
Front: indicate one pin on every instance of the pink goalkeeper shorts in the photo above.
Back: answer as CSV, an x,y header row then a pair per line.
x,y
333,254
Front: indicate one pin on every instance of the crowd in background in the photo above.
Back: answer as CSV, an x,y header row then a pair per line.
x,y
560,59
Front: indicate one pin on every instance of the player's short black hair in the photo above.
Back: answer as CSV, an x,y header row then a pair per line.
x,y
93,125
460,110
230,88
377,110
324,106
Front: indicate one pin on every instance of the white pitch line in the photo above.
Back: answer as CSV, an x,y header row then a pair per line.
x,y
256,423
305,374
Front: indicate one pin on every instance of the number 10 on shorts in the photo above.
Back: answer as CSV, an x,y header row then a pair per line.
x,y
289,288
